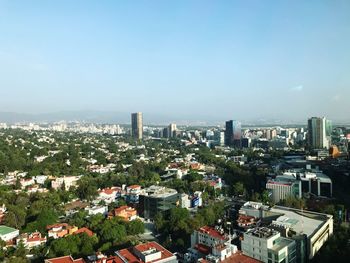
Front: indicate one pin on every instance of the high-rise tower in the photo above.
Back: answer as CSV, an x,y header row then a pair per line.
x,y
229,133
136,125
319,132
172,130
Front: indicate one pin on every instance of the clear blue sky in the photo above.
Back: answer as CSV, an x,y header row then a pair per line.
x,y
221,59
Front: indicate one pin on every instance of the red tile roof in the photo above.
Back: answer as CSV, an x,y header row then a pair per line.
x,y
240,258
134,186
120,209
203,249
108,191
84,230
36,236
212,232
129,254
245,220
65,259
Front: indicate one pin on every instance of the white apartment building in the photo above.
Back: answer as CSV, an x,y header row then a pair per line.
x,y
267,245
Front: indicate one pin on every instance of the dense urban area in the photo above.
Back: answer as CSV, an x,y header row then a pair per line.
x,y
104,193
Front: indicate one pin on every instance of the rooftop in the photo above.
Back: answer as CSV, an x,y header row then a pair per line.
x,y
281,242
262,232
212,232
65,259
4,230
158,191
128,255
110,191
134,186
301,221
84,230
239,258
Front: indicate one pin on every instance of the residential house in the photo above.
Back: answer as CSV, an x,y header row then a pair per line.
x,y
60,230
84,230
97,210
109,195
126,212
31,240
210,243
67,181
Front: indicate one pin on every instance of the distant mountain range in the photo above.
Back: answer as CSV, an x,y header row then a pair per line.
x,y
91,116
81,116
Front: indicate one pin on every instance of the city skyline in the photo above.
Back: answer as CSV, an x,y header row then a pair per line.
x,y
123,118
185,60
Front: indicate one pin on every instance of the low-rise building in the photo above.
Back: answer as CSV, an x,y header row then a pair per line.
x,y
60,230
157,199
66,181
126,212
281,188
309,230
109,195
31,240
40,179
97,210
84,230
267,245
150,252
133,193
211,244
297,182
25,182
8,233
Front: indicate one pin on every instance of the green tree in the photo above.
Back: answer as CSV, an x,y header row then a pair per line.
x,y
135,227
15,216
21,251
178,220
111,231
159,222
87,189
78,219
238,189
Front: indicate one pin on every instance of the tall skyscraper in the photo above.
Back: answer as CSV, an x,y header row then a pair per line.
x,y
233,133
172,130
237,134
136,125
229,133
319,131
